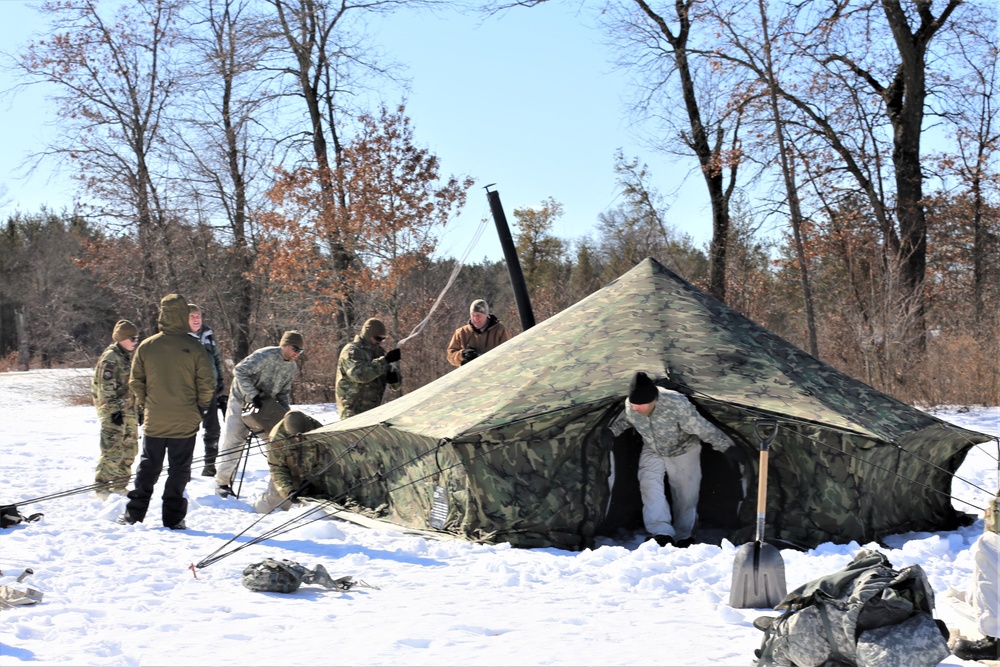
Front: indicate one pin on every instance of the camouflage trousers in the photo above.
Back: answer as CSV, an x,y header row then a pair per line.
x,y
119,447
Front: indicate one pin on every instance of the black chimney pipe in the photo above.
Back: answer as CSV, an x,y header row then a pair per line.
x,y
513,264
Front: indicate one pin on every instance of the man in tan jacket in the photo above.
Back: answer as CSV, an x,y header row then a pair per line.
x,y
174,382
481,334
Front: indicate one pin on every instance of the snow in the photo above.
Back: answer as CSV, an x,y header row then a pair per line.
x,y
126,595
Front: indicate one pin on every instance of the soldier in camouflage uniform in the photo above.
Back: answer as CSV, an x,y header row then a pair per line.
x,y
291,459
116,411
672,432
364,369
266,373
985,591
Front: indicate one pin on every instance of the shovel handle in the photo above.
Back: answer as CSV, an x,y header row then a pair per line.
x,y
759,426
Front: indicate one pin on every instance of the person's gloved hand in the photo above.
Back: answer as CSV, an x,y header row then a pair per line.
x,y
142,416
607,440
468,354
222,402
258,401
391,376
393,355
734,456
117,418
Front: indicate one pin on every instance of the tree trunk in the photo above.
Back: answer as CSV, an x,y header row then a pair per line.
x,y
709,156
791,190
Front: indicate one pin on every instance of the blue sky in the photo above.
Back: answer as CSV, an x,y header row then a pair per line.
x,y
527,100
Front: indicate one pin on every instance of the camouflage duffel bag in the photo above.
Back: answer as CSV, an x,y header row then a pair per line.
x,y
867,614
277,576
285,576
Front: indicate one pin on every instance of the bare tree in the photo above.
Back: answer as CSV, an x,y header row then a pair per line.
x,y
330,59
114,82
749,44
224,141
659,45
974,116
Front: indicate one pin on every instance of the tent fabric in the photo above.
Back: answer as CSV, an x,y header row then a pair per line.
x,y
509,447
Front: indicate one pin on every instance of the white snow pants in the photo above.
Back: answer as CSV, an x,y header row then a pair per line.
x,y
234,437
685,484
985,585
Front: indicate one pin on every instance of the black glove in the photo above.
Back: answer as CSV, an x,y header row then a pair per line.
x,y
607,440
142,416
468,354
734,456
117,418
391,377
222,402
393,355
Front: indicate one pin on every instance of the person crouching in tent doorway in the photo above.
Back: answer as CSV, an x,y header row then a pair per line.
x,y
291,460
672,432
116,411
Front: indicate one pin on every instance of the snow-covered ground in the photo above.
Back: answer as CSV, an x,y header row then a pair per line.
x,y
125,595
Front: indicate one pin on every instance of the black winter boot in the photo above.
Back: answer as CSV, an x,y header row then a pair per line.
x,y
980,649
211,451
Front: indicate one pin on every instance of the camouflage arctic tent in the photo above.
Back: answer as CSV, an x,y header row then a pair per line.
x,y
509,447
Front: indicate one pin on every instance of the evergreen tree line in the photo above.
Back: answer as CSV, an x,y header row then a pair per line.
x,y
226,150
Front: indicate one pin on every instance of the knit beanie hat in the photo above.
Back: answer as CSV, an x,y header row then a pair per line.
x,y
297,422
123,331
372,327
642,390
479,306
293,338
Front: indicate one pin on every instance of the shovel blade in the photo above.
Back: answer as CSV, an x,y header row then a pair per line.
x,y
758,577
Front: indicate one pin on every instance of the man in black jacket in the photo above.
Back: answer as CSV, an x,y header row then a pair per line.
x,y
204,334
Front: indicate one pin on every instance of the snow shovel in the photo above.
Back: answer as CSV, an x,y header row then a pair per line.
x,y
758,571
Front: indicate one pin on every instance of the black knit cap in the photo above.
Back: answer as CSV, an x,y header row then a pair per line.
x,y
642,390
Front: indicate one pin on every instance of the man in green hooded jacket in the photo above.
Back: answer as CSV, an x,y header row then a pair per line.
x,y
173,379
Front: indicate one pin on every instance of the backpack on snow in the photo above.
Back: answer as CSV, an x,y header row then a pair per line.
x,y
285,576
865,615
11,516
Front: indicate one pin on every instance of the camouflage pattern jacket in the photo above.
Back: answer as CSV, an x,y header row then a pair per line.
x,y
206,337
361,382
482,341
264,373
109,386
674,428
290,462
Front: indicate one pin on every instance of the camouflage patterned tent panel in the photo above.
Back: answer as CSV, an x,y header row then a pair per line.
x,y
514,436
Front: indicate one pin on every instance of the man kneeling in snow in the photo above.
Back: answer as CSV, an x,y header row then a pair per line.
x,y
292,460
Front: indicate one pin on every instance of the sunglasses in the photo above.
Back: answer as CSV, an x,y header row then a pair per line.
x,y
380,338
297,350
134,339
